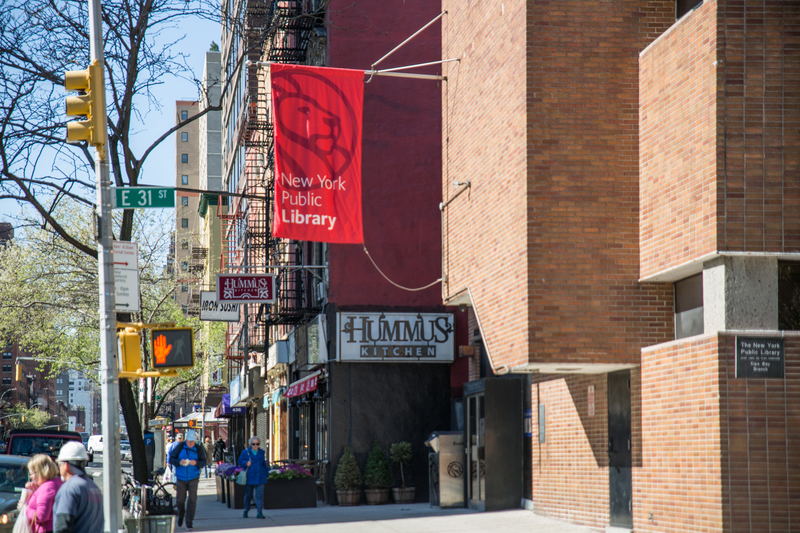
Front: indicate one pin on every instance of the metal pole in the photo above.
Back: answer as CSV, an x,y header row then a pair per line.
x,y
396,48
109,380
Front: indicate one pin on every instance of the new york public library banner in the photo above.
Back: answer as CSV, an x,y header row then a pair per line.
x,y
396,337
317,118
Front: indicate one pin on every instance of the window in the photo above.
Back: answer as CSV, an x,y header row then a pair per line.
x,y
684,6
184,201
689,307
184,222
184,287
184,158
788,295
184,115
6,381
184,180
184,265
7,355
184,244
184,136
6,368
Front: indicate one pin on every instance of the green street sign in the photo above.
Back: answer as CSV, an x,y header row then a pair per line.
x,y
138,197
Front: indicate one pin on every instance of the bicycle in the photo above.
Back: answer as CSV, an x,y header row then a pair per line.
x,y
146,500
160,499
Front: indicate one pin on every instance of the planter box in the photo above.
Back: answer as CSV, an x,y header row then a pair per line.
x,y
219,485
377,496
235,495
290,493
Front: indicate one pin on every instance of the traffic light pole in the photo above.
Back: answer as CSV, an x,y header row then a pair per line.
x,y
109,379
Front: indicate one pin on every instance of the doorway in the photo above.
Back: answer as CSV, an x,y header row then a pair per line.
x,y
476,451
620,485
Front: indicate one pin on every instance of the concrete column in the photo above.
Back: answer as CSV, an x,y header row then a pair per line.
x,y
740,293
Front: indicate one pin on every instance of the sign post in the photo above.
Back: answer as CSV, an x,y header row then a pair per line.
x,y
126,277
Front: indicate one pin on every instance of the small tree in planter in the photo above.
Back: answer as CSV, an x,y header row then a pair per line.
x,y
348,479
401,454
377,476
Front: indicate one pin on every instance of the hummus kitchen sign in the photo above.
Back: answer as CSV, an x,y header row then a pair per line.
x,y
396,337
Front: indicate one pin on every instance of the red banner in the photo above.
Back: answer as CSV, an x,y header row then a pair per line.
x,y
317,115
307,384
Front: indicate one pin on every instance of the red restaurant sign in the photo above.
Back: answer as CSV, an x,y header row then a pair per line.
x,y
307,384
246,288
318,113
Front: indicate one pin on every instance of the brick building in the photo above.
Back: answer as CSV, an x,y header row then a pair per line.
x,y
619,207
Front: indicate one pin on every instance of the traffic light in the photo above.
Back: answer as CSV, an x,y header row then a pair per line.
x,y
130,356
18,373
90,104
173,348
192,423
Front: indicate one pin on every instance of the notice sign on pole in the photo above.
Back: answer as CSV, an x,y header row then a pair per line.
x,y
211,309
126,277
245,288
759,357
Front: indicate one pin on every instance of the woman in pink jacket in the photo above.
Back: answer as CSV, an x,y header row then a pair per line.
x,y
44,482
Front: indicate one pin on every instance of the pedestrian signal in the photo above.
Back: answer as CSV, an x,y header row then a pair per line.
x,y
129,345
173,348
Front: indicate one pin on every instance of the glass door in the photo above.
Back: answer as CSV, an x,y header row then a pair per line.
x,y
476,485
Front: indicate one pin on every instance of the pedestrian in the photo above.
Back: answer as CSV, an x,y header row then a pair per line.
x,y
187,459
209,449
255,461
78,505
219,450
44,483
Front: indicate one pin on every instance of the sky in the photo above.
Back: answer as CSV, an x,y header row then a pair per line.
x,y
159,168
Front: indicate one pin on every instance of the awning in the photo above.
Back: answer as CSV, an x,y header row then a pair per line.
x,y
210,419
273,398
302,386
224,410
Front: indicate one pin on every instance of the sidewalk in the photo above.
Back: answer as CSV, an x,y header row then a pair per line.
x,y
415,518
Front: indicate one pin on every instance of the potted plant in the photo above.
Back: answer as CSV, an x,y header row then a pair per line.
x,y
401,454
235,492
377,476
290,486
348,479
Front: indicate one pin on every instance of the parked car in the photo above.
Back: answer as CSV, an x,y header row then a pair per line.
x,y
13,476
95,445
29,442
125,451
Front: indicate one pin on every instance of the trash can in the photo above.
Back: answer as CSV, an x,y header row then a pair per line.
x,y
446,469
150,524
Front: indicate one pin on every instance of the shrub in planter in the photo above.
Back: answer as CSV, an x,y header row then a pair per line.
x,y
348,479
401,454
377,476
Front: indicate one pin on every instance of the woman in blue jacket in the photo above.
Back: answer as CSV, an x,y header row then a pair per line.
x,y
255,461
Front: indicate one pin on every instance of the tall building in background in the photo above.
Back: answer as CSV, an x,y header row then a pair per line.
x,y
186,241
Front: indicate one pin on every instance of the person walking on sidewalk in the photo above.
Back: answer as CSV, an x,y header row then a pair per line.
x,y
78,506
219,450
44,481
208,447
187,460
255,461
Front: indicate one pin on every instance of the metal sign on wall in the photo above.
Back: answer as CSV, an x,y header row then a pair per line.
x,y
396,337
759,357
245,288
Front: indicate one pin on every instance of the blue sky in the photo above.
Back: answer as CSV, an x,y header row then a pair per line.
x,y
159,168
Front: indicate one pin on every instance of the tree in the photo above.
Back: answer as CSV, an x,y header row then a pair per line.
x,y
23,417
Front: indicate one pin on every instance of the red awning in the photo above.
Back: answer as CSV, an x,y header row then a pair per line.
x,y
302,386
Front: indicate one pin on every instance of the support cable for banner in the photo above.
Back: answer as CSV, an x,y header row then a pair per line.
x,y
392,282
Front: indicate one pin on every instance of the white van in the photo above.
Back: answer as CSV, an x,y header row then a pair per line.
x,y
95,444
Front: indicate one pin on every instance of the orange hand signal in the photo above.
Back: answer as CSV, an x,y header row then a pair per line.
x,y
161,349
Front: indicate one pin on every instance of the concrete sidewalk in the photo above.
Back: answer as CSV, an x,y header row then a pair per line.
x,y
212,515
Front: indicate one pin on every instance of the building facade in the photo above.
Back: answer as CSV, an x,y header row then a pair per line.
x,y
619,219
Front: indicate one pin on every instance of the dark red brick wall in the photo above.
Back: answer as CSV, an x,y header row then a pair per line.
x,y
583,182
401,156
759,124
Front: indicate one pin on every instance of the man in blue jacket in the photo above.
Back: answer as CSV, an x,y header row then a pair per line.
x,y
187,460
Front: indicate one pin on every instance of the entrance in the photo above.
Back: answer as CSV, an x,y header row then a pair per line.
x,y
619,450
476,452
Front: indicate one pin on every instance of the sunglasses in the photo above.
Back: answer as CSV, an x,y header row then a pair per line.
x,y
256,444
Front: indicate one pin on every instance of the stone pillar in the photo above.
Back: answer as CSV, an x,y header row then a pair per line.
x,y
740,292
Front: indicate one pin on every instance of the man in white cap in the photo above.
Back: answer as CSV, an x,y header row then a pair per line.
x,y
78,506
187,460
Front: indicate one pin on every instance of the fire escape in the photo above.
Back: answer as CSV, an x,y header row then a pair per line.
x,y
283,29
